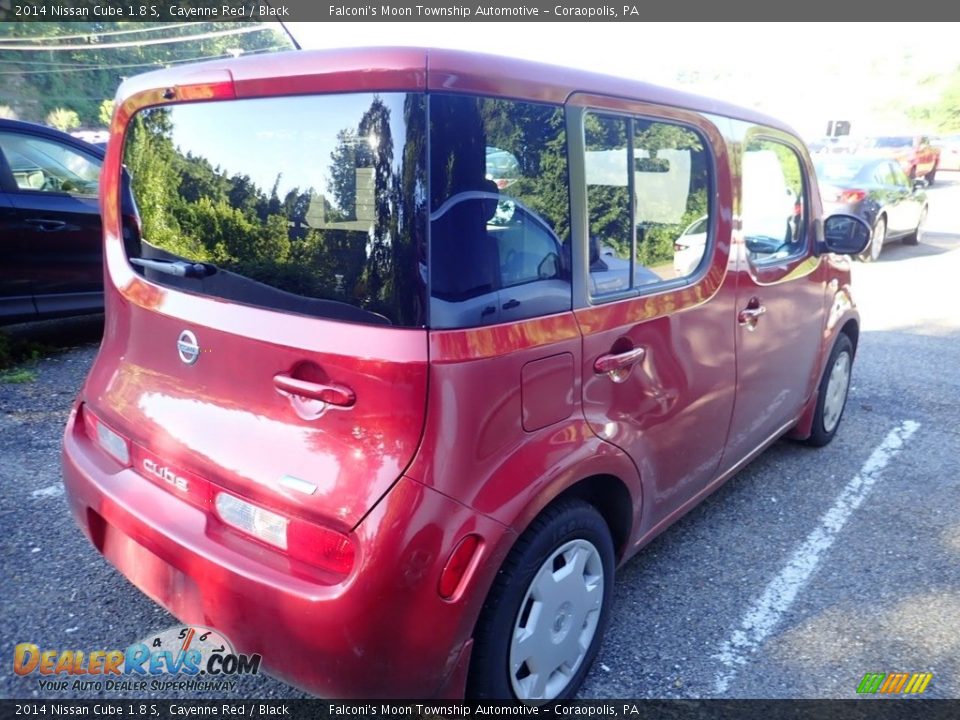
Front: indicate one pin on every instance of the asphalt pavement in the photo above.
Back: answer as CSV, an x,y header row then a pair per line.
x,y
805,571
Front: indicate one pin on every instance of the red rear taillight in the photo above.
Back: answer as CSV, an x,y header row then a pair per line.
x,y
320,546
852,196
317,545
458,564
829,193
111,442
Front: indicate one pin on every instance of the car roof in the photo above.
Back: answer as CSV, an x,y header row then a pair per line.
x,y
51,133
386,68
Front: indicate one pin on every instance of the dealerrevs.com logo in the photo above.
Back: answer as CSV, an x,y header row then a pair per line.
x,y
200,658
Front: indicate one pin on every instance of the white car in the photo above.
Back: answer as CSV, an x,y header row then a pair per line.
x,y
688,248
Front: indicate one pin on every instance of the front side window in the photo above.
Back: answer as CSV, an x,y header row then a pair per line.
x,y
648,190
499,211
311,205
43,165
774,206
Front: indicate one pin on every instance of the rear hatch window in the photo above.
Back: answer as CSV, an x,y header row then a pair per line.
x,y
311,205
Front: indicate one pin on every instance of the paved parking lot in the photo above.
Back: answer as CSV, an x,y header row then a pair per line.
x,y
807,570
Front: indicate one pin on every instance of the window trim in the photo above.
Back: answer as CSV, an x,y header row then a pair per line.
x,y
579,202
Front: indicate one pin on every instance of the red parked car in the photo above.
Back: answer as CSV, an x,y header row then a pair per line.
x,y
916,155
358,404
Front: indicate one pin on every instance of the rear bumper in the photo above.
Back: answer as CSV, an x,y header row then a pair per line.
x,y
382,632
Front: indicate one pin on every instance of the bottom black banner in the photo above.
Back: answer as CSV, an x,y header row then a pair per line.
x,y
872,709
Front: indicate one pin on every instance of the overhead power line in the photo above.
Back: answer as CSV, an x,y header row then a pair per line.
x,y
156,64
139,43
94,33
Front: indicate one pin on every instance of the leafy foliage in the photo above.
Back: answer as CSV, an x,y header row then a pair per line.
x,y
943,114
83,78
63,119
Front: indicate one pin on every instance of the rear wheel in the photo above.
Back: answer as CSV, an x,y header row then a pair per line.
x,y
544,618
832,394
877,238
931,176
917,235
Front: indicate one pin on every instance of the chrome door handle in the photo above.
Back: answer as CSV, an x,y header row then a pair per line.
x,y
331,394
748,316
617,366
46,225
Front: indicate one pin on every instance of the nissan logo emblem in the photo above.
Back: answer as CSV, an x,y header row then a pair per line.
x,y
187,347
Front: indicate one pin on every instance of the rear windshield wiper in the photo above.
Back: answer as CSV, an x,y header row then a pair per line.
x,y
180,268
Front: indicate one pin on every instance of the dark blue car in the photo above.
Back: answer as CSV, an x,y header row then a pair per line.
x,y
50,244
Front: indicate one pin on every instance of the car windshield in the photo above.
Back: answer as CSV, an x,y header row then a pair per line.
x,y
892,142
839,170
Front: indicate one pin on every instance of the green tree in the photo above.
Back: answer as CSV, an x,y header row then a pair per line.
x,y
105,113
943,114
63,119
34,85
7,112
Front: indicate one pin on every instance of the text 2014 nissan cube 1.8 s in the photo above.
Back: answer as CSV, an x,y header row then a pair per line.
x,y
416,347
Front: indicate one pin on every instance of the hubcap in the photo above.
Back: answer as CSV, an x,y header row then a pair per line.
x,y
836,394
557,621
879,233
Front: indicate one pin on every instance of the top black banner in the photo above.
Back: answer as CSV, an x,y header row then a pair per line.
x,y
468,11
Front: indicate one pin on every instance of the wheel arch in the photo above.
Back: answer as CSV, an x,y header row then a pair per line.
x,y
844,320
851,328
612,499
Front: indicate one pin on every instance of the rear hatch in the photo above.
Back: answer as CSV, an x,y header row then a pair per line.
x,y
265,332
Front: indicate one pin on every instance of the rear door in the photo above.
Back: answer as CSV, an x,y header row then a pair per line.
x,y
266,332
780,293
16,290
897,191
911,202
56,221
658,343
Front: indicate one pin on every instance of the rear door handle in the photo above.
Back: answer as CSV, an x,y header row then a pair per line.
x,y
617,366
46,225
338,395
748,316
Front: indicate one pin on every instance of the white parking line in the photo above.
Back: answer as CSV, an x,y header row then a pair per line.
x,y
764,614
49,491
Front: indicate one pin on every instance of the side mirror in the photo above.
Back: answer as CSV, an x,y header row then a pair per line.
x,y
846,234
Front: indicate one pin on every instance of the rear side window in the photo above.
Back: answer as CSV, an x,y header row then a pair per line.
x,y
499,211
648,202
312,205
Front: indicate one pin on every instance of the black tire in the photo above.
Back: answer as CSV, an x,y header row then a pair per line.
x,y
820,434
931,176
877,238
914,237
569,520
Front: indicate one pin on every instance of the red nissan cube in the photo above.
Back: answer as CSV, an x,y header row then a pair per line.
x,y
404,365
